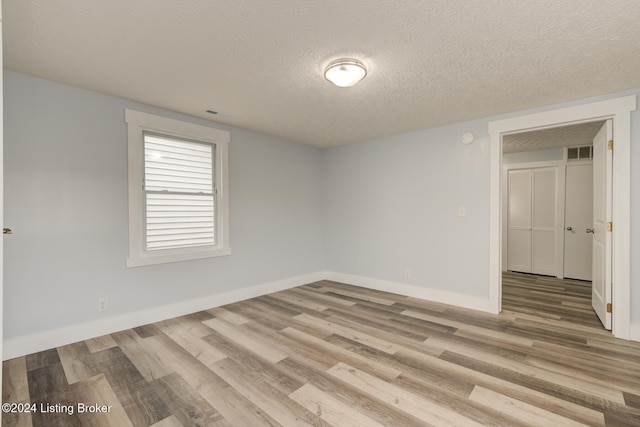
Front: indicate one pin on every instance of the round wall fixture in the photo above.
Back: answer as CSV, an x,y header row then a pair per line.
x,y
466,138
345,72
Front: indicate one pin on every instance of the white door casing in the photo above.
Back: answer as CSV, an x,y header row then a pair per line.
x,y
1,197
578,217
602,194
619,109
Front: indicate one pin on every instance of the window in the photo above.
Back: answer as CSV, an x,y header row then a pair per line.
x,y
178,190
179,193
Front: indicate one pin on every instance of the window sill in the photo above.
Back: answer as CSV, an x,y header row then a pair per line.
x,y
141,260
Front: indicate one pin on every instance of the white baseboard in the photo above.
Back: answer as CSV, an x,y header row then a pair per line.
x,y
54,338
435,295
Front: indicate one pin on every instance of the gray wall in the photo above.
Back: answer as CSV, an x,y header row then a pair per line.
x,y
65,159
533,156
370,209
391,204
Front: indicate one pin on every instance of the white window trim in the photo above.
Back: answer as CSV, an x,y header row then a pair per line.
x,y
137,124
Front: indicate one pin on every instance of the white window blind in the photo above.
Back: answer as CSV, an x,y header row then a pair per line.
x,y
179,193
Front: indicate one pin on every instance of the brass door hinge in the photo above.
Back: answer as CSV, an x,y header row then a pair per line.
x,y
610,144
609,226
609,308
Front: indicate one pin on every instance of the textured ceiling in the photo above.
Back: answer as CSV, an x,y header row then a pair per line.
x,y
566,136
431,62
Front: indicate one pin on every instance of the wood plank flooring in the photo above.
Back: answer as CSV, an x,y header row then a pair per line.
x,y
331,354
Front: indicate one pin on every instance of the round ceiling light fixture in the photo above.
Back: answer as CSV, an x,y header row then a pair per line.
x,y
345,72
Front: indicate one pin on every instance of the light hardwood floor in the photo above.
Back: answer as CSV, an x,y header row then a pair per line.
x,y
332,354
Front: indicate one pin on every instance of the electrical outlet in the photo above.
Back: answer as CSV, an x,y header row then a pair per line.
x,y
407,273
103,304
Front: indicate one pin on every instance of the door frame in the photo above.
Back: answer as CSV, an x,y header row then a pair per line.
x,y
617,109
1,203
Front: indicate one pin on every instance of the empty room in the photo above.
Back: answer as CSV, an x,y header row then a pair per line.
x,y
294,213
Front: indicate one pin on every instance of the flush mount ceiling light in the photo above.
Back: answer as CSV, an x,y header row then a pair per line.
x,y
345,72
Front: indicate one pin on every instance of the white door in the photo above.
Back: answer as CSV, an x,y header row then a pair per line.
x,y
532,221
602,198
544,221
578,218
519,220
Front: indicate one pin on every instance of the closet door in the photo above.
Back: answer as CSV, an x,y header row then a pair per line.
x,y
532,220
519,220
544,221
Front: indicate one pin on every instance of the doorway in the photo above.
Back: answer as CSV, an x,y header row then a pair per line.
x,y
618,110
548,200
548,207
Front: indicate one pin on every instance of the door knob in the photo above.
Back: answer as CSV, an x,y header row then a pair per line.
x,y
590,230
569,228
7,231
